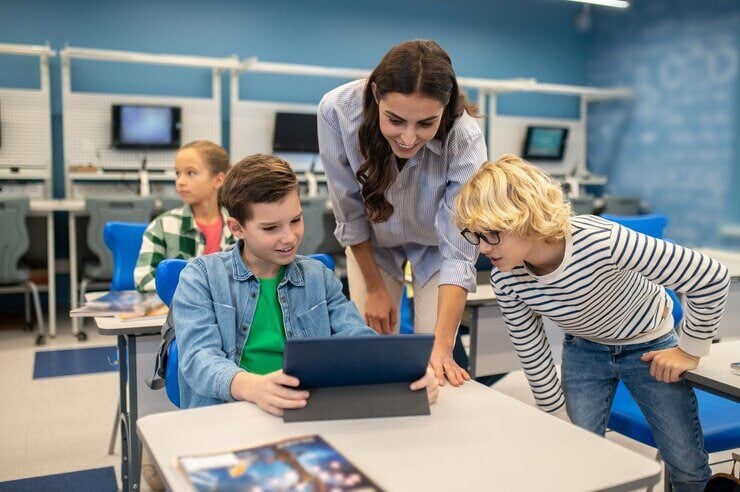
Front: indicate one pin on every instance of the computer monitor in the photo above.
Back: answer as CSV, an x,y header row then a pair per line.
x,y
146,127
545,143
295,132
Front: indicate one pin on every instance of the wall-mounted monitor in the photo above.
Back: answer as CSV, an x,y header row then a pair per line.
x,y
295,132
146,127
544,143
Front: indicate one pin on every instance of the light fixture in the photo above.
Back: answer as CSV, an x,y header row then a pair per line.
x,y
620,4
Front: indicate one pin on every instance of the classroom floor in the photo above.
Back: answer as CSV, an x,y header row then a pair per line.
x,y
59,401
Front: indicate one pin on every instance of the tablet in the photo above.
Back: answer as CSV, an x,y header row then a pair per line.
x,y
350,361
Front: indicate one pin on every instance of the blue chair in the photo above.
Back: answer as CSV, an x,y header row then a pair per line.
x,y
166,279
124,242
123,239
650,224
719,417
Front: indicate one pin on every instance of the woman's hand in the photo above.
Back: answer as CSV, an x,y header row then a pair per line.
x,y
271,392
429,381
444,365
381,312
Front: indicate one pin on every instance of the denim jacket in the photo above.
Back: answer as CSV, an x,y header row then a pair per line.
x,y
214,306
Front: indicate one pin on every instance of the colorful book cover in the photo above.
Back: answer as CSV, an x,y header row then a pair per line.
x,y
305,463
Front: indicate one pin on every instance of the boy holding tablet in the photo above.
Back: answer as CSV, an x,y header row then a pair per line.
x,y
234,310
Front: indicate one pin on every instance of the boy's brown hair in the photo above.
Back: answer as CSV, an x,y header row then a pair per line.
x,y
257,178
215,156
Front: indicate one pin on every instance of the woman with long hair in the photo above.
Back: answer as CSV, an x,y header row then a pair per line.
x,y
396,148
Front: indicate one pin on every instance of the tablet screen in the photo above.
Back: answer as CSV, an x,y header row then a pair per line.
x,y
348,361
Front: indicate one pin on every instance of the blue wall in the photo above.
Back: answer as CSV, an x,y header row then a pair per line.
x,y
485,38
676,144
492,39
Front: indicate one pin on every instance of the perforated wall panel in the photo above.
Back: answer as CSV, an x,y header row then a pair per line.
x,y
25,126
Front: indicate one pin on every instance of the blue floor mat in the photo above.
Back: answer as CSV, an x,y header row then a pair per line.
x,y
95,480
54,363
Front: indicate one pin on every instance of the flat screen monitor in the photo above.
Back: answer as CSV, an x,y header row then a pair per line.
x,y
545,143
146,127
295,132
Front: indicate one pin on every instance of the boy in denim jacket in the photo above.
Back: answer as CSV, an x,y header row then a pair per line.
x,y
234,310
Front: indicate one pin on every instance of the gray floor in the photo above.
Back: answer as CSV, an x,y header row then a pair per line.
x,y
63,424
53,425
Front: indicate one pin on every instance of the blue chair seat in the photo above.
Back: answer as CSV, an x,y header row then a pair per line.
x,y
719,420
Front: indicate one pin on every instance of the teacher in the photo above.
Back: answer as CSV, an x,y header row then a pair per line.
x,y
396,148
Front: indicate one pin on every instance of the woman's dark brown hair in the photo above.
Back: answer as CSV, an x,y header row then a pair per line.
x,y
419,66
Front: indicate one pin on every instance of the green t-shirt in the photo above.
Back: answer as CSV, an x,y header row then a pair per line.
x,y
263,350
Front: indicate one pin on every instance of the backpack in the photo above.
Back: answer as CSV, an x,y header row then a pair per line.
x,y
157,381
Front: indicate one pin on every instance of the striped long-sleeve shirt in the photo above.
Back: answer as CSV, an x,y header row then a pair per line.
x,y
610,289
421,228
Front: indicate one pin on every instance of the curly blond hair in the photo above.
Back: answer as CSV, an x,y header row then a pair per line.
x,y
511,195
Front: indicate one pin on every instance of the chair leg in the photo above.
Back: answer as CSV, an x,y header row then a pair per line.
x,y
79,323
28,326
116,421
41,338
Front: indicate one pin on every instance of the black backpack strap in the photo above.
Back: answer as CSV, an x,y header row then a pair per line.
x,y
160,363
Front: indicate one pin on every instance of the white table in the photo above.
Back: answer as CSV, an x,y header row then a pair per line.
x,y
714,373
131,377
475,439
46,208
491,351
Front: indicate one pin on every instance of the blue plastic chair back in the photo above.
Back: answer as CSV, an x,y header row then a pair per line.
x,y
166,278
327,260
650,224
124,242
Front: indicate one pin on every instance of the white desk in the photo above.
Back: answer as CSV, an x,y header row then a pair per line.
x,y
475,439
491,351
714,373
131,378
46,208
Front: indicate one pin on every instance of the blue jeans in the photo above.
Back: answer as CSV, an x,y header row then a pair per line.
x,y
590,373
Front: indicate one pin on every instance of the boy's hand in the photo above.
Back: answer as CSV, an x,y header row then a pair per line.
x,y
429,381
271,392
443,364
669,365
381,313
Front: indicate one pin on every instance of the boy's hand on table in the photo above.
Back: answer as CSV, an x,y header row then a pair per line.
x,y
669,365
429,381
444,365
272,392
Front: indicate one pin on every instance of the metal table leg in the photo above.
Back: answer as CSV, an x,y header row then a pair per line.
x,y
122,373
133,411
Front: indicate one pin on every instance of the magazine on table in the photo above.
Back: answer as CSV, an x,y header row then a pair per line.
x,y
123,304
306,463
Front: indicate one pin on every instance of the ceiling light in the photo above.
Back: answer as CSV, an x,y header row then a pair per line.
x,y
620,4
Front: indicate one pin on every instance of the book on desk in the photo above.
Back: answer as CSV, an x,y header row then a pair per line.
x,y
300,463
123,305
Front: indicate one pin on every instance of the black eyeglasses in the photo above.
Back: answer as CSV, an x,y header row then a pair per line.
x,y
491,237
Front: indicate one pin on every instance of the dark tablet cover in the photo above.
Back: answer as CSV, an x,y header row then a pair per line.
x,y
358,377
